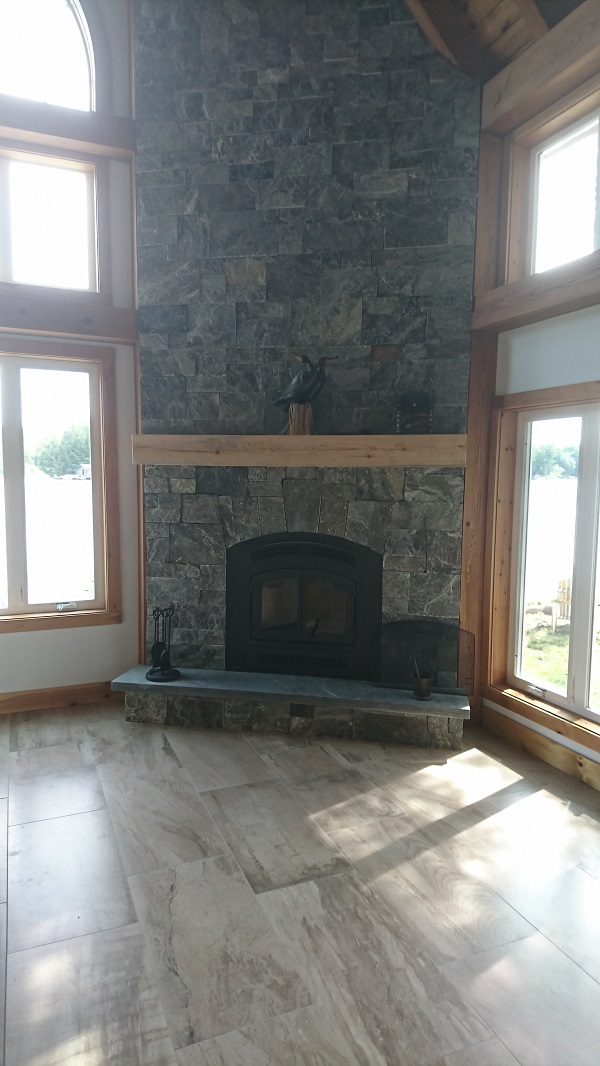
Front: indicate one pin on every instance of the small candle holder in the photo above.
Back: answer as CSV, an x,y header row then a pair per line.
x,y
161,669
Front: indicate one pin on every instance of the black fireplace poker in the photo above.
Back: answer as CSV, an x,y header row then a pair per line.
x,y
161,669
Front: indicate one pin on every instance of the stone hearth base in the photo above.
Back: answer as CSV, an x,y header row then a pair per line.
x,y
394,716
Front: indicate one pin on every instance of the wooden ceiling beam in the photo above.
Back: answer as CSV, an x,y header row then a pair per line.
x,y
479,37
556,64
449,29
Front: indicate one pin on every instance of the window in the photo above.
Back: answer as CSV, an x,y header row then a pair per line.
x,y
566,211
56,482
47,221
56,67
545,622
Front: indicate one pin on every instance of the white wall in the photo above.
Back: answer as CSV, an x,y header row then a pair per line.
x,y
561,351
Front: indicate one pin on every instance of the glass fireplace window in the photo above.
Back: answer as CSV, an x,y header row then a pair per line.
x,y
279,601
325,608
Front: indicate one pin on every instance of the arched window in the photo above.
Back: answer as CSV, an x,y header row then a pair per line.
x,y
56,65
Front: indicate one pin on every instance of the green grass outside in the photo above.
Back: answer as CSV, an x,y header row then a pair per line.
x,y
546,655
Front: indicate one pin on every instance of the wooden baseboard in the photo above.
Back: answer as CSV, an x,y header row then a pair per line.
x,y
47,698
549,751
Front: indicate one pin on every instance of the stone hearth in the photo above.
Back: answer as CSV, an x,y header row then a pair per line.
x,y
302,706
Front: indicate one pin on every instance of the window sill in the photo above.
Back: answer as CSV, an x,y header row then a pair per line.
x,y
29,623
564,723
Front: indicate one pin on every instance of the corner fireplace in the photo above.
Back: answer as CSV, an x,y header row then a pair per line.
x,y
303,603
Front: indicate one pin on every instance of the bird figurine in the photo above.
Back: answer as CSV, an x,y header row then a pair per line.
x,y
307,384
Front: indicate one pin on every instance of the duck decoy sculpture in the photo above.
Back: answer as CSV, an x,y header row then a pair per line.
x,y
307,384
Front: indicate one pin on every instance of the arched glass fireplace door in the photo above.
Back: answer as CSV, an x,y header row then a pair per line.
x,y
303,603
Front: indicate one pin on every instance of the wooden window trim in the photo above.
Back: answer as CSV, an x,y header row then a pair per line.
x,y
111,613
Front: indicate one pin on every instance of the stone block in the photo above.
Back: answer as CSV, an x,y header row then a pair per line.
x,y
380,483
163,507
271,515
293,277
444,551
391,728
265,325
434,595
201,712
182,485
302,503
239,233
257,716
221,480
245,518
148,708
197,544
203,509
367,523
332,726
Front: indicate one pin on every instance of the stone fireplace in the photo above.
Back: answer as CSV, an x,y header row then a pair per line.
x,y
306,185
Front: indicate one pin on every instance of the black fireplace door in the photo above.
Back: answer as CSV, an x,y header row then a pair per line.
x,y
303,604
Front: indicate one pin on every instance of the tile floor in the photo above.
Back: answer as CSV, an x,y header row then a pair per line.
x,y
187,898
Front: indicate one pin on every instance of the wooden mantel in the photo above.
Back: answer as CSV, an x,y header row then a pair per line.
x,y
318,451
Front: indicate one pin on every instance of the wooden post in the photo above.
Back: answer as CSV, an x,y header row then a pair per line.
x,y
300,420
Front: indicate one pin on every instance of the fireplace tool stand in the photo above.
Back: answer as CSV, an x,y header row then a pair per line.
x,y
161,669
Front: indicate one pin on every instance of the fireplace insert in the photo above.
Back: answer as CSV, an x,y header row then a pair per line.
x,y
303,603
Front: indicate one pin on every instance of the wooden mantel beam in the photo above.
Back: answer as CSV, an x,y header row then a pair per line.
x,y
430,449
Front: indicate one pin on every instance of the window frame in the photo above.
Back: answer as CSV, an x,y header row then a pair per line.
x,y
521,149
498,686
98,223
106,505
585,555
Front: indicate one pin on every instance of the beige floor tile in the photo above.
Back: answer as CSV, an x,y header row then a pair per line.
x,y
131,747
65,879
218,963
303,1038
563,826
50,782
360,965
265,743
4,750
215,759
91,1000
2,976
452,913
3,851
159,822
489,1053
274,840
566,909
36,729
337,796
540,1004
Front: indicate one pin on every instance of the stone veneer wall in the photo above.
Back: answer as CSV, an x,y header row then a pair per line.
x,y
306,183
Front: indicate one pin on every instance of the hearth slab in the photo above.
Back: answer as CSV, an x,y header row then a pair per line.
x,y
333,692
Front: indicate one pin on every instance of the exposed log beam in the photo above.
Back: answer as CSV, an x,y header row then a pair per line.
x,y
556,64
477,36
449,29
